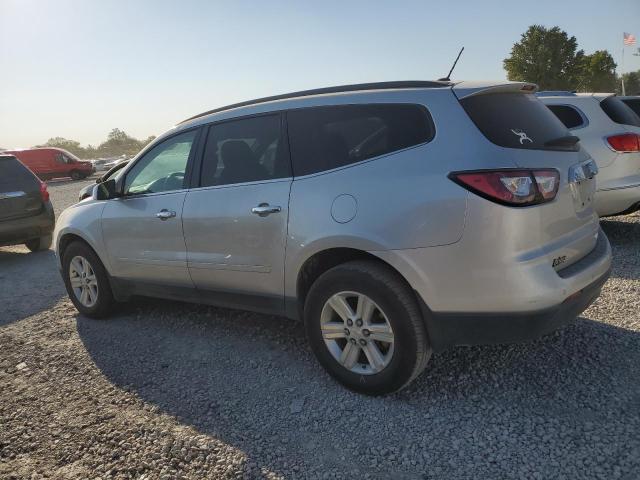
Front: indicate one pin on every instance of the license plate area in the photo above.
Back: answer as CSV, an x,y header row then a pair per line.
x,y
583,184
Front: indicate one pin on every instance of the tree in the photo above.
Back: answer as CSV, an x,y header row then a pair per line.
x,y
598,73
69,145
631,83
119,143
548,57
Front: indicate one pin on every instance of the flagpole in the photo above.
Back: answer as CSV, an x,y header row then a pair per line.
x,y
622,73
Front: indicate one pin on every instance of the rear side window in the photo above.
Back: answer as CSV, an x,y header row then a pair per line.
x,y
633,104
619,112
245,150
12,169
515,120
569,116
323,138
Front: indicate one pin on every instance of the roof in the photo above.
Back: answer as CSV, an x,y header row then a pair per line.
x,y
327,90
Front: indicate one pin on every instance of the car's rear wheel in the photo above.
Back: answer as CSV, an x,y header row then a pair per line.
x,y
86,281
365,327
39,244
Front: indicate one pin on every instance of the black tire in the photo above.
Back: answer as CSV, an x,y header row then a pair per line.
x,y
39,244
104,303
390,293
75,175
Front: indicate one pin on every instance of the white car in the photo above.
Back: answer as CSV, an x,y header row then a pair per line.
x,y
609,130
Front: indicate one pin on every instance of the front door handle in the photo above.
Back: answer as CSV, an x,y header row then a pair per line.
x,y
165,214
265,209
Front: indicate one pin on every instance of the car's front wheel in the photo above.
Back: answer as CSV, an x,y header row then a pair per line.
x,y
365,327
86,281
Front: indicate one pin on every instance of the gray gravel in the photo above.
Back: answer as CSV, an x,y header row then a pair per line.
x,y
170,390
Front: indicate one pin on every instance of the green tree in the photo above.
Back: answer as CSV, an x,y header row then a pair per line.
x,y
546,56
69,145
119,143
598,73
631,83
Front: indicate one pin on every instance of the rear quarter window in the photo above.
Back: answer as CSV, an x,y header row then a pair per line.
x,y
619,112
323,138
569,116
515,120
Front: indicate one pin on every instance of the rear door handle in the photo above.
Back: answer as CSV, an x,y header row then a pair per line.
x,y
265,209
165,214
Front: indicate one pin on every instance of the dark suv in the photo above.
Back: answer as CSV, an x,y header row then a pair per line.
x,y
26,214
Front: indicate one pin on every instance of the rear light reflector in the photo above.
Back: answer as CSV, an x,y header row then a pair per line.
x,y
518,188
626,142
43,192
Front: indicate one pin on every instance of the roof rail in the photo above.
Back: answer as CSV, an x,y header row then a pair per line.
x,y
557,93
338,89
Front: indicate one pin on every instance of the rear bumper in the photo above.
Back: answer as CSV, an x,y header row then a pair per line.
x,y
448,329
616,201
456,329
19,230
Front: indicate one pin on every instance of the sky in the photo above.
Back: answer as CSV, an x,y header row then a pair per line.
x,y
79,68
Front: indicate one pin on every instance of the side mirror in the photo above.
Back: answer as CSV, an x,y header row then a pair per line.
x,y
107,190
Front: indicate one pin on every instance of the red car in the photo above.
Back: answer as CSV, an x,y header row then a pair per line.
x,y
49,163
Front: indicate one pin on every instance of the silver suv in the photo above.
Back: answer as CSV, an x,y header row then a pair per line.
x,y
395,219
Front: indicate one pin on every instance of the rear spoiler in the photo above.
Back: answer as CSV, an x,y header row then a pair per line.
x,y
469,89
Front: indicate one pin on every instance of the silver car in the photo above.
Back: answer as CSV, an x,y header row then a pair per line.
x,y
395,219
609,130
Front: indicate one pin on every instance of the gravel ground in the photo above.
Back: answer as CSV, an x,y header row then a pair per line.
x,y
170,390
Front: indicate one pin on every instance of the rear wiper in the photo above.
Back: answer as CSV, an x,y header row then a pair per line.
x,y
564,141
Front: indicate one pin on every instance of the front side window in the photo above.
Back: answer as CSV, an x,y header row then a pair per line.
x,y
567,115
62,158
245,150
323,138
162,169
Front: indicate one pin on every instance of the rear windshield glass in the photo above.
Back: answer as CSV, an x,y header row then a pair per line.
x,y
11,168
633,104
617,111
515,120
567,115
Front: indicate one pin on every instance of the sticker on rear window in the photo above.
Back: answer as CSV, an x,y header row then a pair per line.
x,y
523,136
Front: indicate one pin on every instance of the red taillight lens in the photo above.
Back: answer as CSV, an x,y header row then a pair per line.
x,y
43,192
511,187
627,142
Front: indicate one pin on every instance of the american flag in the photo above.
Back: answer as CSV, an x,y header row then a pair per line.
x,y
628,38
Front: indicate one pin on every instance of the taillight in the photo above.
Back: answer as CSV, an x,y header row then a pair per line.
x,y
626,142
518,188
43,192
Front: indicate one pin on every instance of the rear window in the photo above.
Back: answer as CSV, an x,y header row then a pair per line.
x,y
633,104
11,168
515,120
323,138
569,116
619,112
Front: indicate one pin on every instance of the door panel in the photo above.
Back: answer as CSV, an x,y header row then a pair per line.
x,y
142,246
143,229
230,248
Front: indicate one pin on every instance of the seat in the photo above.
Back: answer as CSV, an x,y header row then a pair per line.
x,y
240,164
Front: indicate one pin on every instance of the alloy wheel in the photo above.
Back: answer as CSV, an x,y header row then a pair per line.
x,y
357,333
83,281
